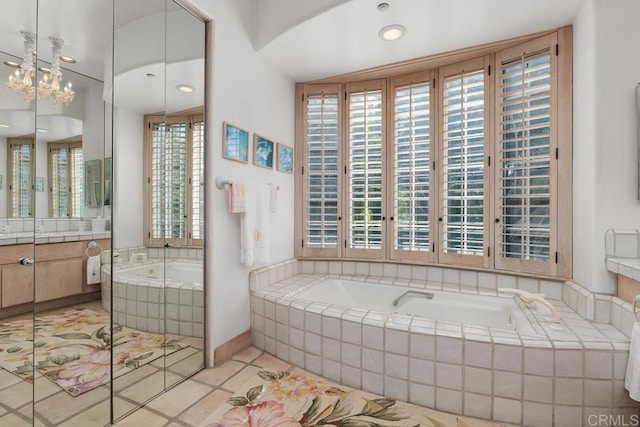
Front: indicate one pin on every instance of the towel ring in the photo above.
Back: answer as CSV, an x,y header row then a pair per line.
x,y
636,300
93,245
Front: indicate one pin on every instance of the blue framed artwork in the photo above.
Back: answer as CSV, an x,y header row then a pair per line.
x,y
284,162
263,151
235,143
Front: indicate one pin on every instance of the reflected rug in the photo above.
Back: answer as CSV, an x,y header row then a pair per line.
x,y
73,349
300,399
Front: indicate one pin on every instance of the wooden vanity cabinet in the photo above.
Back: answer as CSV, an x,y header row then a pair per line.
x,y
16,281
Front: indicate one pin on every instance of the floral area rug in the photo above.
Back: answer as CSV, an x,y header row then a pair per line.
x,y
73,349
281,399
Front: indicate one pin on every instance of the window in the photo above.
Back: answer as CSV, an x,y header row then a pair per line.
x,y
459,163
20,167
174,151
65,179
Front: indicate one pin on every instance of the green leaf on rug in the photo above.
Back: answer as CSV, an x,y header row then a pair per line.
x,y
14,349
376,405
313,410
354,422
270,376
74,336
334,391
39,344
254,393
238,401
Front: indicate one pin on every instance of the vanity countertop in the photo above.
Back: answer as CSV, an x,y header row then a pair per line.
x,y
52,237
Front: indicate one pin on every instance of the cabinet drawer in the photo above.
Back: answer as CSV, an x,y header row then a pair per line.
x,y
9,254
52,251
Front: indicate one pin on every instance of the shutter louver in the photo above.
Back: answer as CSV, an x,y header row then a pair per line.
x,y
197,180
21,161
525,153
463,175
321,204
59,181
365,169
77,174
412,133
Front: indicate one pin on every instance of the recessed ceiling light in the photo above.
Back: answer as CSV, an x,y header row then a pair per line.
x,y
11,64
44,70
42,130
68,59
150,75
392,32
4,125
186,88
383,6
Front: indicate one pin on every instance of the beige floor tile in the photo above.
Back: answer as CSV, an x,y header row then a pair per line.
x,y
62,406
97,415
2,411
44,387
8,379
180,398
14,421
142,417
247,355
203,409
241,378
133,377
220,374
145,389
188,366
192,342
162,362
269,362
17,395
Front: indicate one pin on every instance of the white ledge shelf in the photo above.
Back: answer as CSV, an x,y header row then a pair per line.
x,y
622,252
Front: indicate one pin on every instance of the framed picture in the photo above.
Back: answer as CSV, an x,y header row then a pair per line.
x,y
93,183
39,183
284,158
263,151
235,143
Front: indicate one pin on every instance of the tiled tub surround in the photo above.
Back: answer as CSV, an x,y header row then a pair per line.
x,y
152,304
539,379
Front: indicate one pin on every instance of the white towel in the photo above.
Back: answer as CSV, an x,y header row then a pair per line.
x,y
93,270
632,377
254,225
273,198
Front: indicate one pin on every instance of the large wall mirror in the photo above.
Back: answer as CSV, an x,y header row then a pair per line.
x,y
101,207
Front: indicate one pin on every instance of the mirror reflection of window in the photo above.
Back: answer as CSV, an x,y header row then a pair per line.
x,y
65,179
20,171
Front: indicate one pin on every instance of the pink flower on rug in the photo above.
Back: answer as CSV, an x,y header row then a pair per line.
x,y
91,371
265,414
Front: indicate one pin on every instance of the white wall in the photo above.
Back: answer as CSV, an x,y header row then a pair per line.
x,y
249,93
127,178
606,71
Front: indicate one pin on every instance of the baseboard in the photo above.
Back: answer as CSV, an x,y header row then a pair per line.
x,y
224,351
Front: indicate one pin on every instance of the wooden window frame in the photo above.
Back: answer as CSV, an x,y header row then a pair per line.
x,y
437,66
70,144
188,117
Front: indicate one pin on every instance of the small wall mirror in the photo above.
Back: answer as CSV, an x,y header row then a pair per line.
x,y
93,183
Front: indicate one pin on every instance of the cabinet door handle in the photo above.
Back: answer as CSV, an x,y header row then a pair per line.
x,y
25,261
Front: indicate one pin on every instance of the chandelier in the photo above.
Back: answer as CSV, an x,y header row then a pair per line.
x,y
50,85
21,81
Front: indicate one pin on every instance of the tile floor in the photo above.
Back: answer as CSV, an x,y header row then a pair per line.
x,y
200,400
55,407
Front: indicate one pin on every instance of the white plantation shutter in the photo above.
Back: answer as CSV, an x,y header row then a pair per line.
x,y
197,179
65,179
526,194
464,211
321,135
411,167
174,150
20,177
365,172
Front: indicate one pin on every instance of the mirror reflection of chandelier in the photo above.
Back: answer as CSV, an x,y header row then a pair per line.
x,y
50,85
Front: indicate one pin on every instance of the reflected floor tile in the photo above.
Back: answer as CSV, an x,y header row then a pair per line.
x,y
97,415
144,390
62,406
133,377
162,362
220,374
44,388
17,395
192,342
188,366
180,398
205,409
142,417
8,379
14,421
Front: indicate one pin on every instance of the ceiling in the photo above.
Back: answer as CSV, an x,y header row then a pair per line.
x,y
345,37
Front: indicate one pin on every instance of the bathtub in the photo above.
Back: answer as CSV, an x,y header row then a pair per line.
x,y
467,350
156,296
475,310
